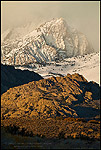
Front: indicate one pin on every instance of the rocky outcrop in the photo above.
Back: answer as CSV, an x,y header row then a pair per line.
x,y
11,77
71,95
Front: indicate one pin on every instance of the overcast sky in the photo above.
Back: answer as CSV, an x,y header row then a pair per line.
x,y
82,15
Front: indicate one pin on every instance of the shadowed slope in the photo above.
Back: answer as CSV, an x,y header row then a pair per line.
x,y
11,77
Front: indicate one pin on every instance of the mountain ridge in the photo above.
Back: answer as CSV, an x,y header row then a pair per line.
x,y
69,96
50,41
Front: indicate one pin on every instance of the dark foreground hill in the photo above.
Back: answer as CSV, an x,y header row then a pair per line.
x,y
88,130
11,77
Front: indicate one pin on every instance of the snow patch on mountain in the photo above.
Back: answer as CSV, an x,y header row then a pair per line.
x,y
87,65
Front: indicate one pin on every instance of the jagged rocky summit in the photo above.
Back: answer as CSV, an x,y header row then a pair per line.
x,y
71,95
11,77
51,41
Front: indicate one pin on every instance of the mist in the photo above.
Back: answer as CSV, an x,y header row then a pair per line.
x,y
84,16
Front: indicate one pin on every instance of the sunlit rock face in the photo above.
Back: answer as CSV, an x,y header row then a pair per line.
x,y
71,95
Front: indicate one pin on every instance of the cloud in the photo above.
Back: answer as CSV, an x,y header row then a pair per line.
x,y
84,16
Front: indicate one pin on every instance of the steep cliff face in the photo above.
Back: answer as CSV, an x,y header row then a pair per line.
x,y
11,77
71,95
53,40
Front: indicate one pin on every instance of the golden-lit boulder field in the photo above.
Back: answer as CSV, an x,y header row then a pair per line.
x,y
67,96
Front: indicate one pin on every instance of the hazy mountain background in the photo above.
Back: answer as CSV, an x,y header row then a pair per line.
x,y
82,15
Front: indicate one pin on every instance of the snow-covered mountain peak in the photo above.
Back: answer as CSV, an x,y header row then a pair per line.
x,y
55,21
52,40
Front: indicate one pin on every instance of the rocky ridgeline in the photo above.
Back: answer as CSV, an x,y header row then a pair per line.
x,y
53,40
69,96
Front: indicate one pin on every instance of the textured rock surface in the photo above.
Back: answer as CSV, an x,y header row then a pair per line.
x,y
51,41
11,77
71,95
